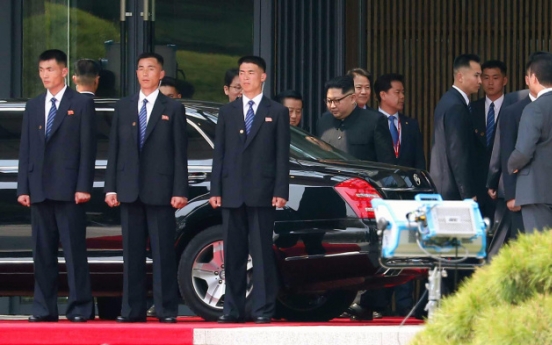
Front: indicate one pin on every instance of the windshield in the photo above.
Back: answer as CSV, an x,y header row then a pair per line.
x,y
305,146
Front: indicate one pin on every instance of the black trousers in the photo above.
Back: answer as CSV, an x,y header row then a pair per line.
x,y
248,230
140,221
52,222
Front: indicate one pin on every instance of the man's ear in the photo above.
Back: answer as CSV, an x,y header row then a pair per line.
x,y
74,79
263,77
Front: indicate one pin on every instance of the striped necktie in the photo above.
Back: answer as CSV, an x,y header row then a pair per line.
x,y
51,117
249,117
143,118
490,124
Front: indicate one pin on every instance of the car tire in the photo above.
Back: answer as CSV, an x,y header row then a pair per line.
x,y
314,307
109,307
201,277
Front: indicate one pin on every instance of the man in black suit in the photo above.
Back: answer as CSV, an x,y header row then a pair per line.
x,y
363,133
500,183
56,172
453,150
486,112
405,131
146,175
250,178
87,76
530,160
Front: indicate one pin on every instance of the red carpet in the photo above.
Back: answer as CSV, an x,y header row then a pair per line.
x,y
21,332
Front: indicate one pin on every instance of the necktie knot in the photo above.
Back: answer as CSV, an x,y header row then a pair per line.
x,y
250,103
492,104
54,100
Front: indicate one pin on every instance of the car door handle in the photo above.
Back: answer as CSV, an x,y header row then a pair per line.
x,y
196,177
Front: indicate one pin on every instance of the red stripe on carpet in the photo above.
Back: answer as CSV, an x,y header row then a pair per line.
x,y
99,332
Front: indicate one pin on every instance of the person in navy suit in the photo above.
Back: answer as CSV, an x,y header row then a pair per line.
x,y
147,169
453,150
250,179
56,172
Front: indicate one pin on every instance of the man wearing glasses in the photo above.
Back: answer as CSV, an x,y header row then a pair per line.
x,y
363,133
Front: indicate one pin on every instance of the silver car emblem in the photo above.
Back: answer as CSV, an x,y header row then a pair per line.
x,y
417,179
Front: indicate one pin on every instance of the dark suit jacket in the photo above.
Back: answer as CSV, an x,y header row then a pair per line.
x,y
532,154
499,178
251,169
411,152
367,134
64,164
160,170
453,148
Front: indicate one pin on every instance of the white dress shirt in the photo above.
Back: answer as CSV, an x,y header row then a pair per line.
x,y
396,121
542,92
152,97
466,99
497,106
48,102
257,99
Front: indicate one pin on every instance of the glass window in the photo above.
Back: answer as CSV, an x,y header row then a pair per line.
x,y
81,28
10,133
200,40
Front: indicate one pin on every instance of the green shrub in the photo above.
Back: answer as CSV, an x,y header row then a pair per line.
x,y
506,302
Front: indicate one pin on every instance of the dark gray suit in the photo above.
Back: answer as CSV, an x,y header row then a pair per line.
x,y
532,161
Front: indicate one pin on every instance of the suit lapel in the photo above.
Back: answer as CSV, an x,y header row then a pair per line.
x,y
405,134
41,117
62,110
155,115
239,118
133,117
262,111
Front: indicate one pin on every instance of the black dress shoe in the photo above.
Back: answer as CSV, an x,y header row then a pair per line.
x,y
230,319
261,319
33,318
167,319
76,318
124,319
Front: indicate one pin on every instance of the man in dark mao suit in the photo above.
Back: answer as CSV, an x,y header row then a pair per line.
x,y
250,178
147,175
56,172
453,148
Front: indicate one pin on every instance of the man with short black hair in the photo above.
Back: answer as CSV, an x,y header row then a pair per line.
x,y
530,160
86,76
453,145
250,180
168,87
363,133
292,100
56,173
146,174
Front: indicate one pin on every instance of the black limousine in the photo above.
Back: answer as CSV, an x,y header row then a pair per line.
x,y
325,238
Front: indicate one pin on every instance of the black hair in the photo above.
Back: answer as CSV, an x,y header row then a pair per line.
x,y
86,71
345,83
288,94
495,64
541,66
360,72
54,54
149,55
532,57
168,81
383,83
464,61
257,60
229,76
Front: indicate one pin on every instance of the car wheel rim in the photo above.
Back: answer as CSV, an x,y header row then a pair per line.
x,y
209,277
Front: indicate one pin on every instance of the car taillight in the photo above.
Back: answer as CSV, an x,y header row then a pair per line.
x,y
359,194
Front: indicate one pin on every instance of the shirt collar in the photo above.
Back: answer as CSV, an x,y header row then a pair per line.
x,y
152,97
498,102
533,98
466,99
387,114
257,99
58,95
543,91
